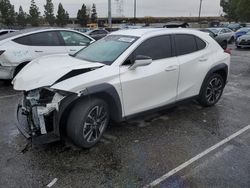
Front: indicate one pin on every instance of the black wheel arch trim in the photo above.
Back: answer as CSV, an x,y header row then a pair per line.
x,y
214,69
105,91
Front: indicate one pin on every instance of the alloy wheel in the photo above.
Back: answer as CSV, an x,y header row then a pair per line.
x,y
214,90
95,123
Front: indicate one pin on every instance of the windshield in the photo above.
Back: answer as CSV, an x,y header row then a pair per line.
x,y
106,50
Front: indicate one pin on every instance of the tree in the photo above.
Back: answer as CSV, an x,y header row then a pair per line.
x,y
62,16
21,17
49,12
243,10
82,16
236,10
34,14
8,12
93,14
229,7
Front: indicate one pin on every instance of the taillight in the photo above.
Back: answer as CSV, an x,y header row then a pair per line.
x,y
1,52
228,50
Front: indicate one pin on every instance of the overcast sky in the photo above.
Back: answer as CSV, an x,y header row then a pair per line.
x,y
144,7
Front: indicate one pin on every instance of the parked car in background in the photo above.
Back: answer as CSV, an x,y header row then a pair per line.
x,y
19,48
222,35
234,26
241,31
97,34
6,31
127,73
243,41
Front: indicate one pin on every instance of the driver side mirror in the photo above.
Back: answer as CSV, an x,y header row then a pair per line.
x,y
140,61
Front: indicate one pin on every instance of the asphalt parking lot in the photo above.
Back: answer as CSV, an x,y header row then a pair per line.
x,y
135,153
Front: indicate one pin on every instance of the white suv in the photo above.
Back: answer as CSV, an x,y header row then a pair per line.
x,y
19,48
125,74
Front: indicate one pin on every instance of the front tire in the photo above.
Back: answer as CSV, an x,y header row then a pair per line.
x,y
87,122
224,45
231,40
211,90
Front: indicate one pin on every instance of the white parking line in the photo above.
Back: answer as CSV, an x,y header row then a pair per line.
x,y
8,96
52,183
197,157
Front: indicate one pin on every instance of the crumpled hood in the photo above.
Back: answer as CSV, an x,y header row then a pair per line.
x,y
47,70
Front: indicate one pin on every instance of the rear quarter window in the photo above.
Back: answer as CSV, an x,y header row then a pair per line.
x,y
200,43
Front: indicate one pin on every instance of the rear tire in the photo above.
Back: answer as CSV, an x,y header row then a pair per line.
x,y
87,122
211,90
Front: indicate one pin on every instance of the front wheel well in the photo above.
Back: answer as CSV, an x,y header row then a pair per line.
x,y
69,103
114,109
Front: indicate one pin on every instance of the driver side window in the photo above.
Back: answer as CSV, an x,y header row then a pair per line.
x,y
156,48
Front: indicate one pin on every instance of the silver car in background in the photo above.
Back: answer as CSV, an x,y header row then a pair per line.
x,y
223,36
243,41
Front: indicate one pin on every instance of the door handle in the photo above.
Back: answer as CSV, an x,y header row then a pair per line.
x,y
203,59
72,50
38,51
171,68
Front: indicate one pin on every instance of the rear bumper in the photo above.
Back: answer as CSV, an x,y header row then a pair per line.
x,y
6,73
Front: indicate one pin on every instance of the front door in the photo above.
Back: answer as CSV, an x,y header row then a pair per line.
x,y
154,85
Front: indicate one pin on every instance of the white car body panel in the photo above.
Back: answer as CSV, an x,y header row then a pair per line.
x,y
144,88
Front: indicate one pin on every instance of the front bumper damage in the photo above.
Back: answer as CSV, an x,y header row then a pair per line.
x,y
37,115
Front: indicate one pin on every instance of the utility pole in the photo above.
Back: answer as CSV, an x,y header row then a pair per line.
x,y
109,14
134,11
200,12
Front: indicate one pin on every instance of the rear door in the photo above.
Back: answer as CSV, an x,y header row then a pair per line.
x,y
154,85
193,58
74,41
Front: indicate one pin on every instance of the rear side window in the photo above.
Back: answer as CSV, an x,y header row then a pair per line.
x,y
200,43
40,39
186,44
156,48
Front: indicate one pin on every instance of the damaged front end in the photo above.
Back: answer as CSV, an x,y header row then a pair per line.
x,y
37,114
